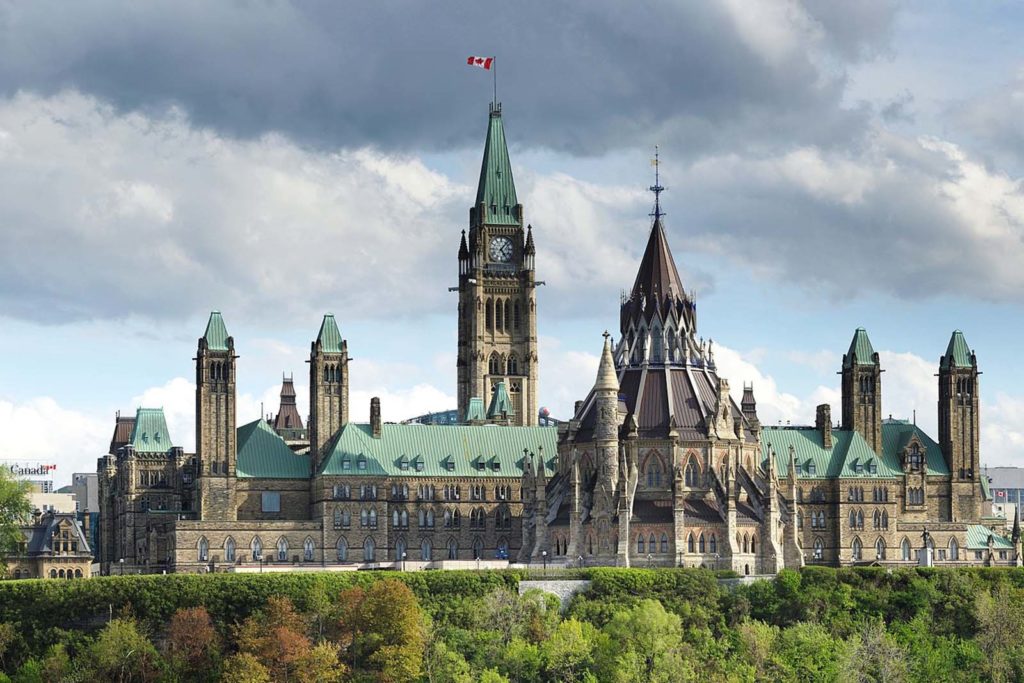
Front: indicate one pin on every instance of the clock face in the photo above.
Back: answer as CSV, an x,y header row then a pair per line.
x,y
501,249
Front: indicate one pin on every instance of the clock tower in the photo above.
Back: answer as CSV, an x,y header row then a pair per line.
x,y
497,291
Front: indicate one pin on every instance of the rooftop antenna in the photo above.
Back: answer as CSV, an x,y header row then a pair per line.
x,y
656,188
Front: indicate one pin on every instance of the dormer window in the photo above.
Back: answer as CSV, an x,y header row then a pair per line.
x,y
858,467
346,464
145,437
361,462
419,463
811,469
872,467
403,463
156,437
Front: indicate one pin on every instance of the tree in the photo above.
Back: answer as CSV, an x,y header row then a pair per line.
x,y
8,634
321,665
276,636
14,511
383,631
806,652
445,665
569,652
521,661
121,653
873,655
193,645
645,643
244,668
1000,632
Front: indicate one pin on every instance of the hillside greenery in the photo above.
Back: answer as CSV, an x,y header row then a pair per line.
x,y
631,625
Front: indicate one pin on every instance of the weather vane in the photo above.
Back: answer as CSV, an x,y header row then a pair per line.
x,y
656,188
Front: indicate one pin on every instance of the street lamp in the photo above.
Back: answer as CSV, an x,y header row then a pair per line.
x,y
650,561
404,555
544,557
121,564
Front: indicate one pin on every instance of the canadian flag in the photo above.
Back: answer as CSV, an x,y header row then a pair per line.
x,y
482,62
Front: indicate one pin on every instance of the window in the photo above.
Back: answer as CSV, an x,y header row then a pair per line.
x,y
513,365
819,549
880,549
494,364
691,475
229,550
307,550
373,518
271,501
369,550
799,519
857,550
905,550
640,544
872,467
954,549
282,549
342,549
453,549
257,548
425,550
713,544
361,462
664,543
700,543
478,548
204,550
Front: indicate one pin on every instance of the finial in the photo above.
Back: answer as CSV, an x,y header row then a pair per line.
x,y
656,188
606,335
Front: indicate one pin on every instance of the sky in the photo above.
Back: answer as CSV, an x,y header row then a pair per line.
x,y
829,166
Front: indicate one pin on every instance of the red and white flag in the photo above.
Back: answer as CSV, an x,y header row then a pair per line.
x,y
482,62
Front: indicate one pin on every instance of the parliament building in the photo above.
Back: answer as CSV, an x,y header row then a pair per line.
x,y
659,465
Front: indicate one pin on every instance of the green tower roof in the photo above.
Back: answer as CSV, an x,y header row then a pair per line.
x,y
501,403
958,354
496,189
475,410
329,336
861,352
216,334
149,435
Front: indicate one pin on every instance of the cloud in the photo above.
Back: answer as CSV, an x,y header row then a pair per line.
x,y
41,429
1002,431
583,78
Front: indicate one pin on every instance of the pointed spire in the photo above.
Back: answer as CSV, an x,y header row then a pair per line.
x,y
530,249
861,352
463,249
1016,524
496,189
216,334
607,380
657,275
958,353
329,336
501,403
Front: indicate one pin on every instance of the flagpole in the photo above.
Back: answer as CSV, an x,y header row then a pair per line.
x,y
494,68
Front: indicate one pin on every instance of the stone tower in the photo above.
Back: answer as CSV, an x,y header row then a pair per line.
x,y
958,424
862,390
215,421
328,387
497,290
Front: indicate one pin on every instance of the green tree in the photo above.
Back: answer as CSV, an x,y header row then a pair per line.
x,y
276,636
122,653
757,645
873,656
806,652
645,643
491,676
244,668
569,652
14,511
521,661
1001,632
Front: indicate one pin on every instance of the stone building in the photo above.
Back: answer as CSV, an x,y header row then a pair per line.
x,y
335,493
660,466
55,546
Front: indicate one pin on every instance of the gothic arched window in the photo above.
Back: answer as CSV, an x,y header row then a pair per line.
x,y
508,317
905,549
819,549
282,549
307,550
664,543
369,549
640,544
689,543
856,550
700,543
453,549
342,549
490,315
499,315
713,544
494,364
478,548
691,475
229,550
954,549
257,548
204,550
513,365
880,549
516,317
426,550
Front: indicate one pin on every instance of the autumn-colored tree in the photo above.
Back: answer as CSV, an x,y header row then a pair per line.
x,y
193,645
276,636
383,631
321,665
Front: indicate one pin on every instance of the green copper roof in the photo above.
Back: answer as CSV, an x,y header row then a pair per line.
x,y
861,352
264,454
329,336
501,404
216,334
475,410
850,456
977,538
437,450
150,433
496,189
958,354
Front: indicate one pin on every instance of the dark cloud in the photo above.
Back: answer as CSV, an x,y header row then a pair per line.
x,y
582,77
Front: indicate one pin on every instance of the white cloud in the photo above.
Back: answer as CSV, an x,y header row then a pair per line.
x,y
41,429
1002,431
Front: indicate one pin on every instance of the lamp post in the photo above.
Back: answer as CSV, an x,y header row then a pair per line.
x,y
404,555
544,558
121,564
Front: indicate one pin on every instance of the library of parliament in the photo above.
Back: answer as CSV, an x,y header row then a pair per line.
x,y
658,466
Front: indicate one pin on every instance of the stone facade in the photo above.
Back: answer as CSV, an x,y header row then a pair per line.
x,y
55,546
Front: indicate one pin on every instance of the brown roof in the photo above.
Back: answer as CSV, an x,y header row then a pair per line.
x,y
288,414
657,287
122,433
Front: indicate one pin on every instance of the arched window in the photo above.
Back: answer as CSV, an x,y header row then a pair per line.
x,y
753,544
425,550
800,519
640,549
282,549
671,350
307,550
517,317
876,519
691,474
656,345
229,550
857,549
652,544
78,573
713,544
478,548
364,518
257,548
60,574
700,543
430,518
689,543
819,549
905,549
512,365
664,543
448,518
53,573
453,549
746,543
885,519
508,317
456,519
954,549
342,550
860,518
821,519
853,519
499,316
490,315
880,549
204,550
337,518
369,550
653,473
494,364
400,549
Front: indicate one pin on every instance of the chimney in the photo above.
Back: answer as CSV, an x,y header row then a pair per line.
x,y
576,408
375,417
823,422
